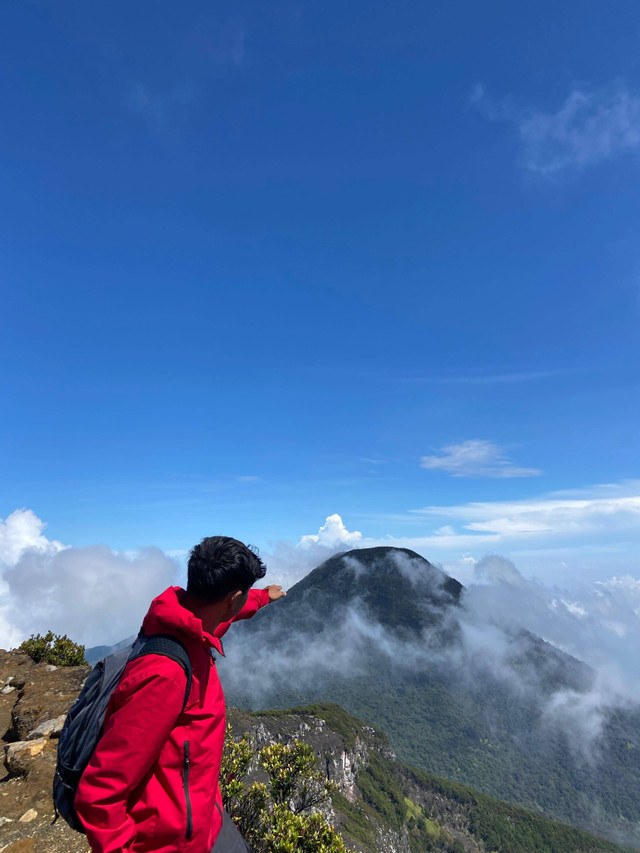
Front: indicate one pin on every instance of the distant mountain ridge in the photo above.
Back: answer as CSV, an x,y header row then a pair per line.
x,y
385,634
95,653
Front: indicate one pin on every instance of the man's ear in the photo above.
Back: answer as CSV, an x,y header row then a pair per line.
x,y
234,601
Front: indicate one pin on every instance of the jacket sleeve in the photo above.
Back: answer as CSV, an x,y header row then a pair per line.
x,y
257,599
142,713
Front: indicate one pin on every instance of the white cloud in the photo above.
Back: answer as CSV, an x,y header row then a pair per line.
x,y
445,530
332,534
93,594
623,589
572,607
590,127
545,516
288,563
583,715
10,636
462,569
21,530
598,623
483,379
496,569
475,458
567,532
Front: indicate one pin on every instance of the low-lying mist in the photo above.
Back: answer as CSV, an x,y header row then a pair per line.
x,y
484,684
484,643
98,597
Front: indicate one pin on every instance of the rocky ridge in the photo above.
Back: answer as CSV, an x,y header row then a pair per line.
x,y
342,751
34,701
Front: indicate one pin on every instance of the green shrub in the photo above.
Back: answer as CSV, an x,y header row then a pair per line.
x,y
276,817
56,649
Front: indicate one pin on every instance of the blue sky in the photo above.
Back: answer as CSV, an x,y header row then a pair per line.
x,y
266,263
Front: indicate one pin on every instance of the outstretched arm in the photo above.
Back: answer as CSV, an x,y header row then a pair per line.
x,y
257,598
275,592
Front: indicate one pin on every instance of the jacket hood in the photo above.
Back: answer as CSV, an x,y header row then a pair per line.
x,y
166,615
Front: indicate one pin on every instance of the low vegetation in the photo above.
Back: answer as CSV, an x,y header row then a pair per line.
x,y
279,815
55,649
434,815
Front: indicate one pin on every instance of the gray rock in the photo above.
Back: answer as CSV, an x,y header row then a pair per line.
x,y
50,728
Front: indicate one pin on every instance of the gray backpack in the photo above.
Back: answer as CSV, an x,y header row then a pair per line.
x,y
83,726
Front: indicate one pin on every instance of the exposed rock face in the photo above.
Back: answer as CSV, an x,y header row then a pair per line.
x,y
393,842
40,693
342,762
341,757
31,717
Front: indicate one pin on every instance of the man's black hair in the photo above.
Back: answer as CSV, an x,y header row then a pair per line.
x,y
220,565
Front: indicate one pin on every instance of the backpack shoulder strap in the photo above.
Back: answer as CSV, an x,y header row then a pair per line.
x,y
170,647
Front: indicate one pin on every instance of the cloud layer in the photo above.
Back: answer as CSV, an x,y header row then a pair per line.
x,y
98,596
590,127
567,532
289,563
599,624
475,458
555,514
94,595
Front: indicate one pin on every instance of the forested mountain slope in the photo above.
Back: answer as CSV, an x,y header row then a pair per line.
x,y
387,635
380,806
383,806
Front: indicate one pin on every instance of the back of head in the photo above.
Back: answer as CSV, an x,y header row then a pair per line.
x,y
220,565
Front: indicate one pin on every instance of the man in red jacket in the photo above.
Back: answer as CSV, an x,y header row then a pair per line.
x,y
152,783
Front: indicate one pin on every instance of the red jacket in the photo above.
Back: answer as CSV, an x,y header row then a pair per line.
x,y
152,783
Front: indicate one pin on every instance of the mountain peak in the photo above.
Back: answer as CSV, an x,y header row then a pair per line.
x,y
396,587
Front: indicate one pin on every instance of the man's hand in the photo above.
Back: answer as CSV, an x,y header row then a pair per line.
x,y
275,592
